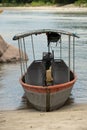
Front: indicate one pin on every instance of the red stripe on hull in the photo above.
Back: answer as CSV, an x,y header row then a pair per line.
x,y
51,89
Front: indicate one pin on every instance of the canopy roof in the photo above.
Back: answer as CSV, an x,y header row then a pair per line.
x,y
26,34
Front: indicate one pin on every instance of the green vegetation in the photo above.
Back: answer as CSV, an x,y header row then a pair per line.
x,y
41,2
81,3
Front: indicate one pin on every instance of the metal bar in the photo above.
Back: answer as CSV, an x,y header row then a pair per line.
x,y
25,53
20,57
69,49
60,48
32,47
74,54
26,34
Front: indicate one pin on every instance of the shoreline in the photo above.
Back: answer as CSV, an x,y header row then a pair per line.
x,y
60,9
70,117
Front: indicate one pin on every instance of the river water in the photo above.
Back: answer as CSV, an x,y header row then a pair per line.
x,y
13,22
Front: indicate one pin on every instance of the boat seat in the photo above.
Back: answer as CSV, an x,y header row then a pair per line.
x,y
59,72
36,74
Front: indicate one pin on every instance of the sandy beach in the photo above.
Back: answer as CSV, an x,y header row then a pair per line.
x,y
72,117
61,9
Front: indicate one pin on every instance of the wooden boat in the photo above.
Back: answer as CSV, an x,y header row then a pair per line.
x,y
48,82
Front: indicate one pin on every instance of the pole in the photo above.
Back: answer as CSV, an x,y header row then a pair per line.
x,y
73,54
25,52
69,49
33,47
20,57
60,48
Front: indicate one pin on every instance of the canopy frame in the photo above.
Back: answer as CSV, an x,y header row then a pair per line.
x,y
21,43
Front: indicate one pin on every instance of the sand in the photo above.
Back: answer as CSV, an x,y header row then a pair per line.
x,y
61,9
71,117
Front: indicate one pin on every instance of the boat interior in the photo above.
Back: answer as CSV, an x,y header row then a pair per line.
x,y
48,71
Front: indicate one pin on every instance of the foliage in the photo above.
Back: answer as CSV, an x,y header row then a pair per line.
x,y
40,3
81,2
43,2
64,1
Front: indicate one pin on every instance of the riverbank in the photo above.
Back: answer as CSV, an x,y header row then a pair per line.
x,y
72,117
61,9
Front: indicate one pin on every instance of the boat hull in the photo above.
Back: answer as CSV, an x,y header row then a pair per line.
x,y
48,98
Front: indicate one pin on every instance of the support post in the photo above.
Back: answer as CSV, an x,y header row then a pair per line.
x,y
32,47
73,54
69,49
20,56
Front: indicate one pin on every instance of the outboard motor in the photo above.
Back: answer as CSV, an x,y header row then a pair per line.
x,y
47,58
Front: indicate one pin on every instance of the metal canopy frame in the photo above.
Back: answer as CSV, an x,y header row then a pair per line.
x,y
26,34
21,43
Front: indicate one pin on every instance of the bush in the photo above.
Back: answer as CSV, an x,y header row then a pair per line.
x,y
40,3
81,2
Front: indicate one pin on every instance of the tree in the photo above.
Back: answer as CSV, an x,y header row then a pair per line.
x,y
64,1
45,1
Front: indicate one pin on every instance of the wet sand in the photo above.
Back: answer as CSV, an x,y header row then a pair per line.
x,y
71,117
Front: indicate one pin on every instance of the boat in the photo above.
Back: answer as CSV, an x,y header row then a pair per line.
x,y
48,81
